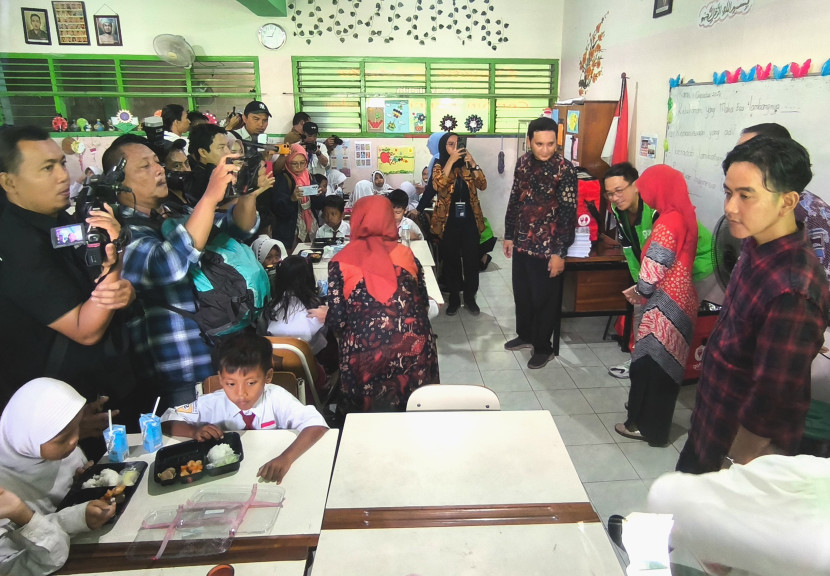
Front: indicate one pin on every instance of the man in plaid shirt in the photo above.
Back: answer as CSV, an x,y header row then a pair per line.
x,y
157,261
754,388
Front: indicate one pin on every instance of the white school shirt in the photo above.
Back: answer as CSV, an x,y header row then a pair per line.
x,y
414,231
326,231
298,324
277,409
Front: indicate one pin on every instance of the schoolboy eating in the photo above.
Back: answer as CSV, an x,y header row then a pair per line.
x,y
248,402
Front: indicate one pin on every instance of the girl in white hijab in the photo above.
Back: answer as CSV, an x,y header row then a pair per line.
x,y
361,190
379,184
336,179
39,457
410,190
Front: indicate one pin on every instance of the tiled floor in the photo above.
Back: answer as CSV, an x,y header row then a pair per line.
x,y
583,398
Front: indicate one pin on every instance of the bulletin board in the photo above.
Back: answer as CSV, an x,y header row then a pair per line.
x,y
706,120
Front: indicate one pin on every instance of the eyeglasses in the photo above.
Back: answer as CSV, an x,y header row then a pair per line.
x,y
298,164
611,194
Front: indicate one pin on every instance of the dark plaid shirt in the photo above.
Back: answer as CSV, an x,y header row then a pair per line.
x,y
756,367
541,211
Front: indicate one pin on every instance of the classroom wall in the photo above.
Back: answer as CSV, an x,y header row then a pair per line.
x,y
650,51
226,28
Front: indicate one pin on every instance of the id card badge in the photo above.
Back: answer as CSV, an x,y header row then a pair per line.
x,y
460,209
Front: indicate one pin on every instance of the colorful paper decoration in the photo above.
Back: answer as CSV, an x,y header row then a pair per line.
x,y
211,118
590,65
396,159
374,119
448,123
396,116
59,123
474,123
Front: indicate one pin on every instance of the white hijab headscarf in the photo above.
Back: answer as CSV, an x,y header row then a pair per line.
x,y
409,188
36,413
385,189
336,179
361,190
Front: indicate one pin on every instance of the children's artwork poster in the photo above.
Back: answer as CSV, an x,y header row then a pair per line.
x,y
374,119
418,116
362,154
554,114
648,146
339,158
396,159
70,22
396,116
573,121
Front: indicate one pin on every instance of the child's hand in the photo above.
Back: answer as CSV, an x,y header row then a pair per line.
x,y
97,513
207,432
13,508
80,470
319,313
276,469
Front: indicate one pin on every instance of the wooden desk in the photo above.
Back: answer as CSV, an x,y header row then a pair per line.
x,y
541,549
296,529
593,287
453,468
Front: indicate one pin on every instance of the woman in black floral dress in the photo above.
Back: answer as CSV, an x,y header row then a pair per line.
x,y
378,306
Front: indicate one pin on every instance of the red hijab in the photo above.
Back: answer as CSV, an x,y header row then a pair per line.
x,y
664,189
373,251
301,178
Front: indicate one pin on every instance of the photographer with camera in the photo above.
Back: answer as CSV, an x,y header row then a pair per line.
x,y
58,316
318,160
161,257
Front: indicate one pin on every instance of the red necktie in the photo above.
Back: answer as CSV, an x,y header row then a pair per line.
x,y
249,420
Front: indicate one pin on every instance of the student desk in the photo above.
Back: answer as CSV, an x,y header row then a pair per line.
x,y
419,247
417,469
295,531
537,549
285,568
593,287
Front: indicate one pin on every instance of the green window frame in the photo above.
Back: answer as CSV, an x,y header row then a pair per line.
x,y
36,87
340,93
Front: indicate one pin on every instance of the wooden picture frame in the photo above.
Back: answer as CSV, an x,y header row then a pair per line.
x,y
107,30
662,8
70,23
36,31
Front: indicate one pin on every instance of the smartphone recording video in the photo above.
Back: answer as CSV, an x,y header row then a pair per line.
x,y
462,143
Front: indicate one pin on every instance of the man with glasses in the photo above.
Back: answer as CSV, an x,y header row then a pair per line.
x,y
635,221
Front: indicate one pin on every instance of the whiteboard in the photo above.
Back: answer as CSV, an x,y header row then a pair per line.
x,y
706,121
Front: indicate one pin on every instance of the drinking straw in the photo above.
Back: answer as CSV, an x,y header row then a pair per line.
x,y
109,413
156,407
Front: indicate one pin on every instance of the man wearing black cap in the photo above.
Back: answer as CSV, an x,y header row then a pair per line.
x,y
318,162
255,117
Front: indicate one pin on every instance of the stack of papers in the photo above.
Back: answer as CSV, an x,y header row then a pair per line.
x,y
581,248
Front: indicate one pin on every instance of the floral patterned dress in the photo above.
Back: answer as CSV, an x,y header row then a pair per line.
x,y
386,349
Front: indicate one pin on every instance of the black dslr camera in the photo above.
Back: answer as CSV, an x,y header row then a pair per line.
x,y
97,191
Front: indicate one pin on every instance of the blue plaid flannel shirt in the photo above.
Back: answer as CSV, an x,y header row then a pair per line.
x,y
157,263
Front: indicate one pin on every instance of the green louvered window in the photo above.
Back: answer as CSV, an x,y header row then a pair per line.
x,y
34,88
396,96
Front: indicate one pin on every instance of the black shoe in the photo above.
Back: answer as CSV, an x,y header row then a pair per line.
x,y
540,360
471,306
517,344
615,528
454,304
483,265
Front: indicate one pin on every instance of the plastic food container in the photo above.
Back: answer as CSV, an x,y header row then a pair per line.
x,y
179,455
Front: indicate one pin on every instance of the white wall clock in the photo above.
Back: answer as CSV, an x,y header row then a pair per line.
x,y
271,36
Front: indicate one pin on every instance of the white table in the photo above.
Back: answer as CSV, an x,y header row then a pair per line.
x,y
529,550
298,524
420,248
452,459
285,568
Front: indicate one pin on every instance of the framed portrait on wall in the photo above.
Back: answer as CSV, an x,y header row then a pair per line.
x,y
661,8
70,22
107,30
36,26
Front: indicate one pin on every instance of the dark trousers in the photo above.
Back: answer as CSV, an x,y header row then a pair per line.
x,y
460,255
536,296
651,400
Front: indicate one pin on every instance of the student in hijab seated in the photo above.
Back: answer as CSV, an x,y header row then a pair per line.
x,y
361,190
39,457
378,307
379,185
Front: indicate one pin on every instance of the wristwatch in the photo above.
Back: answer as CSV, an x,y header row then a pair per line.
x,y
474,168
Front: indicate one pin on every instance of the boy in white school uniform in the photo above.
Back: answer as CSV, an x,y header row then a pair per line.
x,y
247,402
335,226
400,201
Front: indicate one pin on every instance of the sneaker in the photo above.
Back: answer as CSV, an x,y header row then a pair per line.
x,y
517,344
540,360
621,370
471,306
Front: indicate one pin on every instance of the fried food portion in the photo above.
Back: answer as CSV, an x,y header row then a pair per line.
x,y
167,474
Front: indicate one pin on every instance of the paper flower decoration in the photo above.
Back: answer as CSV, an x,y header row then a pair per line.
x,y
763,73
800,71
825,68
59,123
474,123
674,82
590,65
125,116
749,76
718,79
211,118
448,123
420,117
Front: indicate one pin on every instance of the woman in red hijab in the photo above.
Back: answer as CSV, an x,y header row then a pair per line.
x,y
670,305
378,306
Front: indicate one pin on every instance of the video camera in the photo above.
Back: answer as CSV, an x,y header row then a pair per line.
x,y
248,175
97,191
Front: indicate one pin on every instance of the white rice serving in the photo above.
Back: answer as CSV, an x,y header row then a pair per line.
x,y
221,455
108,477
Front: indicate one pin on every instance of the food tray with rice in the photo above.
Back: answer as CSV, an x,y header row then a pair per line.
x,y
190,461
116,481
